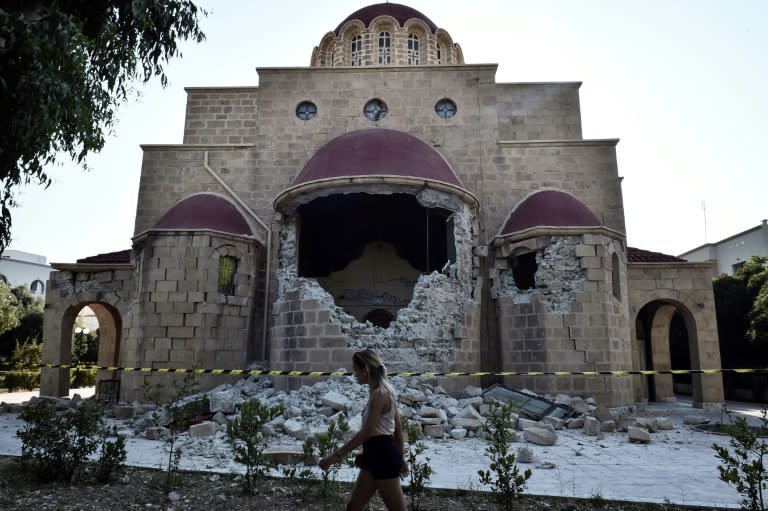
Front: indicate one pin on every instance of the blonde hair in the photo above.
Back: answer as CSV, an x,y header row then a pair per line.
x,y
377,373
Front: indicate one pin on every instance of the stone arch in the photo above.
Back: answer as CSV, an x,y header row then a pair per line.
x,y
321,53
651,349
349,32
57,348
445,42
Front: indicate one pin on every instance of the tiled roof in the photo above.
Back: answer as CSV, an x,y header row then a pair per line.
x,y
121,257
638,255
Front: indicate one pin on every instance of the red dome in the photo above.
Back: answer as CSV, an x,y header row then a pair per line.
x,y
549,208
401,13
205,211
377,152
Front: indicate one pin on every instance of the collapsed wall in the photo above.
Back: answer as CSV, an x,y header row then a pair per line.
x,y
433,332
561,304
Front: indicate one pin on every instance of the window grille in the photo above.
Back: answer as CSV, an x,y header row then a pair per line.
x,y
385,48
227,271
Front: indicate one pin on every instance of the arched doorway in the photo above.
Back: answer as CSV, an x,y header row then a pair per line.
x,y
64,328
666,340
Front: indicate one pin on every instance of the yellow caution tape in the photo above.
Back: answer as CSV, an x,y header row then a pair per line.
x,y
404,374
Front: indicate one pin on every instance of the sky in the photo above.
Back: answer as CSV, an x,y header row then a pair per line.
x,y
681,83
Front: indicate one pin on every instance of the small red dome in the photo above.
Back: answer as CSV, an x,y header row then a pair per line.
x,y
401,13
377,152
549,208
205,211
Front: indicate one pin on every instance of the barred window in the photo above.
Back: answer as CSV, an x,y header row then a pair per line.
x,y
227,271
439,54
413,50
385,48
357,51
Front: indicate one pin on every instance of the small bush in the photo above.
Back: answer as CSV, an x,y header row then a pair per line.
x,y
20,380
54,445
420,471
744,466
504,477
248,437
80,378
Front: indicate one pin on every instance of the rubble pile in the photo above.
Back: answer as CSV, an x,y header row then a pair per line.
x,y
309,410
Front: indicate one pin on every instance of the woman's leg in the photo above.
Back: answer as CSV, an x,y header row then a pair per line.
x,y
362,492
392,494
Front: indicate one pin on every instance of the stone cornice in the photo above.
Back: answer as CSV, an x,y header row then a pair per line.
x,y
598,142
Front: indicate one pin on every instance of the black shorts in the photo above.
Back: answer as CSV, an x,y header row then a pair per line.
x,y
382,457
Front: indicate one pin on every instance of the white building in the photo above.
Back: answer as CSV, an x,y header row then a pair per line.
x,y
732,252
19,268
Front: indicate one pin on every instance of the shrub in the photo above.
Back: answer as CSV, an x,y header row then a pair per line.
x,y
504,477
54,445
744,467
322,445
248,437
174,414
420,471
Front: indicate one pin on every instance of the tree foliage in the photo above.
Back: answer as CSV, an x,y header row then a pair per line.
x,y
28,324
742,302
10,310
65,67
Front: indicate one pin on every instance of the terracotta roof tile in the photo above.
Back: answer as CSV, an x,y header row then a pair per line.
x,y
638,255
121,257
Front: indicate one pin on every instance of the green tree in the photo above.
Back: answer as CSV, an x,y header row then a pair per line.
x,y
30,321
10,309
741,302
65,67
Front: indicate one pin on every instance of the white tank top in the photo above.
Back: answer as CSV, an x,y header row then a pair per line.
x,y
386,424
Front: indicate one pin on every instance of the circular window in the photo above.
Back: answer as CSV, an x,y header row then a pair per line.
x,y
306,110
445,108
375,110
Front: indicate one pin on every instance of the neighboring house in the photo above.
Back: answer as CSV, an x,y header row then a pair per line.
x,y
388,196
19,268
732,252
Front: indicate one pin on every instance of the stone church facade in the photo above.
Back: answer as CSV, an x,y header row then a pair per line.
x,y
388,196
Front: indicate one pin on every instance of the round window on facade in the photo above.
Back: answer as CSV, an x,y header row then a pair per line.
x,y
375,110
306,110
445,108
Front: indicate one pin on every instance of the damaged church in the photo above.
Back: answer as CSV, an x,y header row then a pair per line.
x,y
388,196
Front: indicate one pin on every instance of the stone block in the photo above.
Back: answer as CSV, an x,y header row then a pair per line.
x,y
204,429
540,436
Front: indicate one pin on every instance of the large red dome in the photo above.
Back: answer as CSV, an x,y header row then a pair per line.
x,y
377,152
401,13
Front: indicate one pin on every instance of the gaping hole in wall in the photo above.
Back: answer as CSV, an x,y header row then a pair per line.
x,y
369,250
524,270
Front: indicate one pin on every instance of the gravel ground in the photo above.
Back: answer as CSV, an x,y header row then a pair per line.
x,y
142,489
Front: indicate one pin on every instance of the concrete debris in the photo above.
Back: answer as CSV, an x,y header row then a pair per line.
x,y
310,409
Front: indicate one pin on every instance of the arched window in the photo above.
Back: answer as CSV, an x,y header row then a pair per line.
x,y
616,276
356,55
3,279
379,317
385,48
227,271
413,50
439,54
37,287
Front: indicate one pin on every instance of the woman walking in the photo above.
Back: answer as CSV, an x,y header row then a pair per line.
x,y
382,464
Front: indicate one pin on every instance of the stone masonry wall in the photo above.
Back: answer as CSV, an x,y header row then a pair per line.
x,y
539,111
221,115
569,322
181,318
